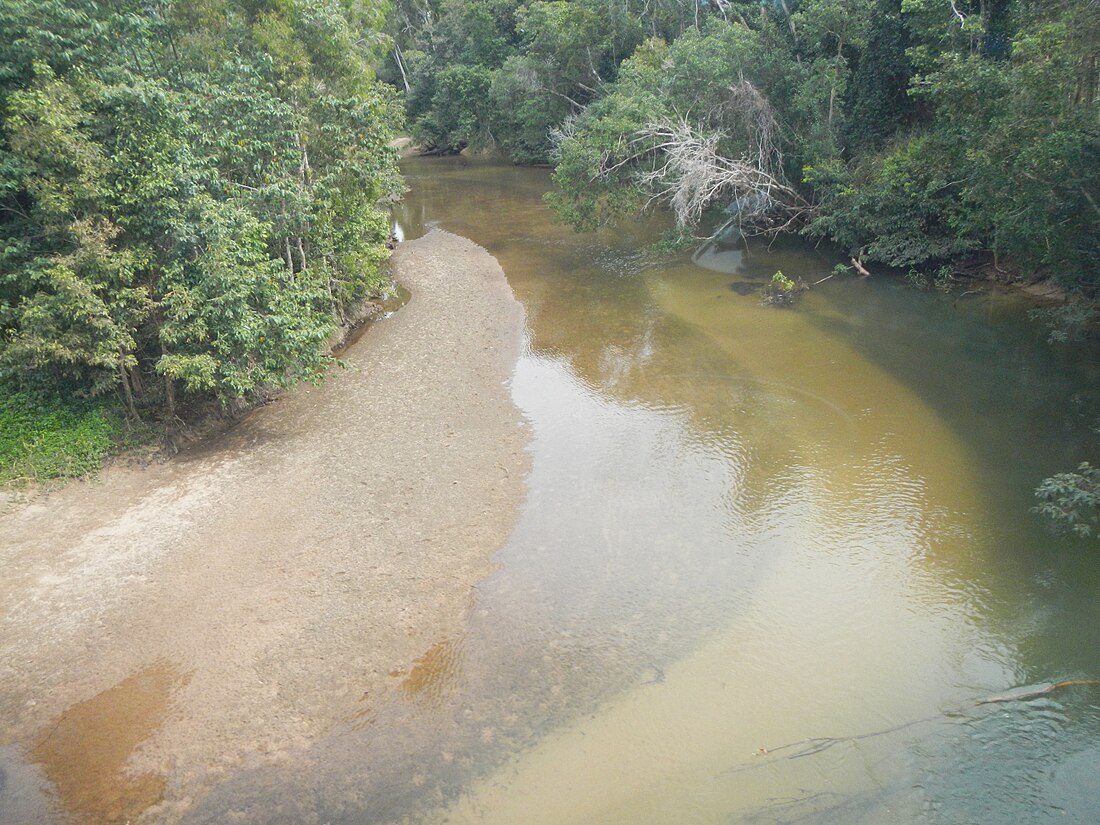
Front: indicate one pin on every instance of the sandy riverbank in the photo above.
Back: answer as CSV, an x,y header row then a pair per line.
x,y
164,626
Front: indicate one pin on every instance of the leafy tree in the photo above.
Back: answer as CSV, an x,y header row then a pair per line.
x,y
458,109
677,128
234,318
188,192
543,62
914,131
877,99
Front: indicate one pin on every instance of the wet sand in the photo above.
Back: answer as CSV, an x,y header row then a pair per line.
x,y
227,608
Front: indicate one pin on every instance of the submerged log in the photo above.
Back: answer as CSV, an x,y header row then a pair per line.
x,y
817,744
1034,694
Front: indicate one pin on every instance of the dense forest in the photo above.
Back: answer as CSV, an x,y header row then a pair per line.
x,y
935,136
188,201
920,134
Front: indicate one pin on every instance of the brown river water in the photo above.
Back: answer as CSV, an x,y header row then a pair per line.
x,y
769,565
770,561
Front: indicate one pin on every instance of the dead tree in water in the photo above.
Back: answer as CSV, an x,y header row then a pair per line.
x,y
680,162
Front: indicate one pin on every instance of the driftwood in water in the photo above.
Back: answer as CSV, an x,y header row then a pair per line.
x,y
1034,694
860,268
817,744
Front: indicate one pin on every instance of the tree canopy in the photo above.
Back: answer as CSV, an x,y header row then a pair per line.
x,y
188,191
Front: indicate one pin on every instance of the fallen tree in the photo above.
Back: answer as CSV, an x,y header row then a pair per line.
x,y
730,157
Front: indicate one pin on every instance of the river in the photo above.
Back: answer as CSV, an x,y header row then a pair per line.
x,y
770,563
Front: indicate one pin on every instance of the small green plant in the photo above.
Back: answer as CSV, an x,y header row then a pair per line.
x,y
672,241
782,290
1071,500
944,279
917,279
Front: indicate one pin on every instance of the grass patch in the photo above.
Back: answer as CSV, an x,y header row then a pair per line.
x,y
44,437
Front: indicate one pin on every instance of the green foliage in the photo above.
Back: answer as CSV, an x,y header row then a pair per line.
x,y
541,63
919,130
234,319
42,438
781,283
916,132
1004,161
602,138
1024,147
876,100
782,291
1071,500
659,83
941,279
674,240
188,192
458,109
901,209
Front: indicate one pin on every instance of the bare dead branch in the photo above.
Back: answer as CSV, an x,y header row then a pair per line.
x,y
680,162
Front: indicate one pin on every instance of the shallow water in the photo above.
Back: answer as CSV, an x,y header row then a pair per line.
x,y
769,563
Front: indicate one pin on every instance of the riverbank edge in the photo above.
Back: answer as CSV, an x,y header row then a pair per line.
x,y
462,513
143,443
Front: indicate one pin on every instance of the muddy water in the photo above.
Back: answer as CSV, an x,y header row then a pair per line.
x,y
770,562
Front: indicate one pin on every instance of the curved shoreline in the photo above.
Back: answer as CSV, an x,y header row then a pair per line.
x,y
275,577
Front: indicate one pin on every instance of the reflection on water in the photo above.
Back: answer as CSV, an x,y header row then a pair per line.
x,y
769,560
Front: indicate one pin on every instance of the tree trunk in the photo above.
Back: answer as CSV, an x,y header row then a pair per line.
x,y
303,170
836,80
169,387
790,21
124,378
137,383
401,66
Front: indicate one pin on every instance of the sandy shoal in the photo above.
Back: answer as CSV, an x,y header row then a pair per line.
x,y
231,605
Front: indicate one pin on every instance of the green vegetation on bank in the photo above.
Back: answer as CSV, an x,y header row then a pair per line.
x,y
188,192
1072,500
50,437
188,195
189,189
